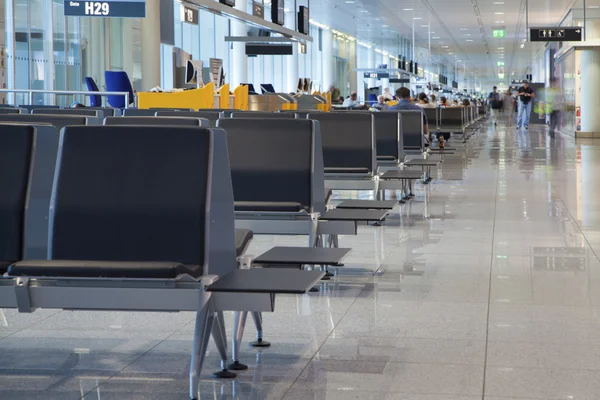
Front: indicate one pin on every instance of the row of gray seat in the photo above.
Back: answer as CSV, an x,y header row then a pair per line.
x,y
119,239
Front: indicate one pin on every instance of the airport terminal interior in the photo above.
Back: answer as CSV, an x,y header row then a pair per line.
x,y
299,199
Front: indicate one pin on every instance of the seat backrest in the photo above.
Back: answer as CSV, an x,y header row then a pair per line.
x,y
348,140
118,81
276,161
136,193
388,135
300,113
138,112
451,116
10,110
163,121
432,116
170,109
30,107
95,100
105,111
68,111
412,130
16,152
211,116
59,121
262,115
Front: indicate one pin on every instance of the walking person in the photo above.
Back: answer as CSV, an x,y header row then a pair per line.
x,y
554,105
525,95
508,107
495,104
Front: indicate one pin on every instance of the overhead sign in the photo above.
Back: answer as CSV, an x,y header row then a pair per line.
x,y
189,15
500,63
566,34
107,8
399,80
498,33
376,75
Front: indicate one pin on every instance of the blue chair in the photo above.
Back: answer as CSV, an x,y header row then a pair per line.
x,y
95,101
118,81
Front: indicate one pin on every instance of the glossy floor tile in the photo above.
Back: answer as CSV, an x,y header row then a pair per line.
x,y
486,286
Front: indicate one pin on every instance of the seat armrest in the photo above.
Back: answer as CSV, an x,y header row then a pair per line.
x,y
102,269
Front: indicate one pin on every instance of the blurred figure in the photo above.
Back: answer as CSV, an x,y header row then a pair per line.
x,y
387,95
554,105
495,104
466,103
444,102
423,101
352,101
508,107
381,105
335,92
433,100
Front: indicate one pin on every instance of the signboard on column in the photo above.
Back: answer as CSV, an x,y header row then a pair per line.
x,y
106,8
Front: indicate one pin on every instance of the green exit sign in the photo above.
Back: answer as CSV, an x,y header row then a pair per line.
x,y
498,33
500,63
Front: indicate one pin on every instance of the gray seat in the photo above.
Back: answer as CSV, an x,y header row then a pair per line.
x,y
16,152
9,110
242,240
263,115
275,164
348,142
412,131
59,121
165,121
138,112
388,132
211,116
69,111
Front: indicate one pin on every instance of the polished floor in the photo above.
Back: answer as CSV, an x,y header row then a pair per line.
x,y
486,286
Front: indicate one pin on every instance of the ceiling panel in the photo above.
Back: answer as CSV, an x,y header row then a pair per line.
x,y
454,26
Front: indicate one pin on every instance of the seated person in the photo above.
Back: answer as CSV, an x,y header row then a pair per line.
x,y
404,104
381,105
352,101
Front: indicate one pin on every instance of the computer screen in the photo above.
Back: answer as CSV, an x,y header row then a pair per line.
x,y
250,87
303,20
267,88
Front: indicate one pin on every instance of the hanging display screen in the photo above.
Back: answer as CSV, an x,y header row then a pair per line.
x,y
278,11
106,8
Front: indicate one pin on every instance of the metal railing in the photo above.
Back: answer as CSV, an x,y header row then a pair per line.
x,y
31,93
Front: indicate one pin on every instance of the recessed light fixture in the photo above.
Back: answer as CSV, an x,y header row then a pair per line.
x,y
594,7
498,3
363,11
444,47
424,26
499,13
350,2
464,29
384,26
435,37
500,48
523,45
408,9
469,40
417,18
450,53
498,22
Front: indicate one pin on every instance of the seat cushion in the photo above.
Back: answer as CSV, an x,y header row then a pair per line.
x,y
242,238
4,266
346,170
265,206
102,269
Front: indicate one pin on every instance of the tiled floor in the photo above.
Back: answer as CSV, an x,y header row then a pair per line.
x,y
486,286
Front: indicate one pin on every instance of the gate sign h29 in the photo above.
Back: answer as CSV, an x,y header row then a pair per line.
x,y
106,8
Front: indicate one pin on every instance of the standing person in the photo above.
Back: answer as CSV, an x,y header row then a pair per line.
x,y
387,95
335,92
525,94
508,107
495,104
403,94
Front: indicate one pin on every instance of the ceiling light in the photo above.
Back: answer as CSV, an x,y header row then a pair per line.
x,y
498,22
444,47
424,26
435,37
350,2
408,9
500,48
469,40
417,18
464,29
594,7
499,13
498,2
523,45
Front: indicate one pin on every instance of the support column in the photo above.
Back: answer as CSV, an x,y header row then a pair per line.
x,y
590,78
328,61
151,45
371,63
239,59
352,65
291,62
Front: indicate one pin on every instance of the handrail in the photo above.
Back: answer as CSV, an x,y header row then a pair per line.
x,y
66,92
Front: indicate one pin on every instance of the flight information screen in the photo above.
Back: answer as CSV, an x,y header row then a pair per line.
x,y
106,8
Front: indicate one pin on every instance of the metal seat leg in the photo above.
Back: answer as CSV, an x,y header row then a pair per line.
x,y
204,323
239,322
257,317
220,337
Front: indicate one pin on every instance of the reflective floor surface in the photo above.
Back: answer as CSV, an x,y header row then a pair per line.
x,y
486,286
